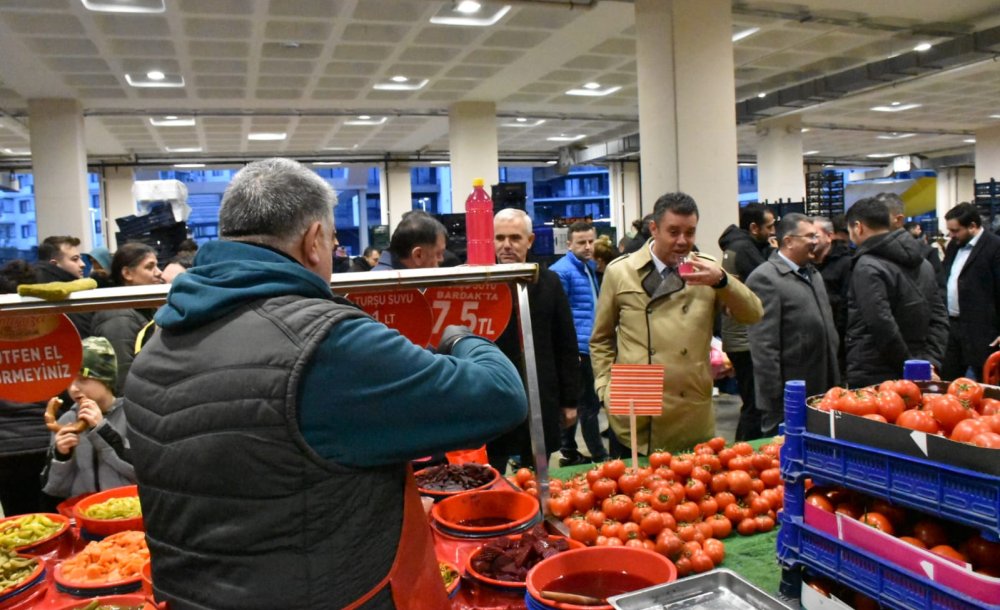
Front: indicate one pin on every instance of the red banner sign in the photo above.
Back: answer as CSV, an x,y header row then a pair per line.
x,y
484,308
641,384
404,310
39,356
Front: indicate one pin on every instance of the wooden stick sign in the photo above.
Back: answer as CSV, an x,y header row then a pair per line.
x,y
636,389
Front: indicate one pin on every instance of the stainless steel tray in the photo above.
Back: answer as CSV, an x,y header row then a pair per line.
x,y
716,590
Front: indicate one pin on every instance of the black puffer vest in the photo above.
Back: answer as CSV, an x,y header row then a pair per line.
x,y
239,511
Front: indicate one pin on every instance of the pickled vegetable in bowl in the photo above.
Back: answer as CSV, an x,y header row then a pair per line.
x,y
29,530
15,570
115,508
117,558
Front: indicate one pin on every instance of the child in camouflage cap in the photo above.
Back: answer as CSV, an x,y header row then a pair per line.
x,y
98,457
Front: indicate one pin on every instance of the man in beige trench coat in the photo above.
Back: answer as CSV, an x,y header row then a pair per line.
x,y
648,314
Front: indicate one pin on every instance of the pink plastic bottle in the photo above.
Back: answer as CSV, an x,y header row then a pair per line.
x,y
479,226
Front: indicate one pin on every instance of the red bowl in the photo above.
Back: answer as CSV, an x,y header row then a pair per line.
x,y
105,527
515,508
42,545
509,584
641,563
88,588
439,495
147,578
27,588
131,600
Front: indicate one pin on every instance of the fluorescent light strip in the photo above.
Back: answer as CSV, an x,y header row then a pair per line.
x,y
449,18
593,92
970,141
524,123
189,165
16,151
339,147
401,86
738,36
183,149
995,116
440,162
882,155
124,6
896,108
895,136
367,121
811,152
565,138
174,122
321,163
923,46
168,81
264,136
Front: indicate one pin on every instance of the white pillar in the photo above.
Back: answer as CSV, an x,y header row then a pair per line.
x,y
472,139
988,154
59,165
625,195
954,185
779,159
116,188
688,133
397,193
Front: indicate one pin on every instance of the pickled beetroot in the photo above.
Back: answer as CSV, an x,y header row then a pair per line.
x,y
508,559
454,477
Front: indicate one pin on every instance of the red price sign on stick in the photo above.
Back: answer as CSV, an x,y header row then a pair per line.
x,y
636,389
404,310
39,356
484,308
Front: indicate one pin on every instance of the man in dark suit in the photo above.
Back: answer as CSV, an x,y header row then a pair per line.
x,y
796,338
972,281
554,337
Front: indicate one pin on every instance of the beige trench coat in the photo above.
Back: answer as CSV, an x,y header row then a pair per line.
x,y
641,321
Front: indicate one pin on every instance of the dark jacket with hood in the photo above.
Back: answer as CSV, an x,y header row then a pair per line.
x,y
741,254
47,272
894,310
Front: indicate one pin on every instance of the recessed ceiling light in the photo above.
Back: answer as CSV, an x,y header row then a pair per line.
x,y
401,85
322,163
124,6
399,78
440,162
804,130
923,46
189,165
762,94
744,33
811,152
164,80
172,121
266,136
551,162
995,116
451,15
16,151
895,107
592,85
894,136
291,44
523,122
565,138
593,92
365,119
882,155
468,7
969,140
183,149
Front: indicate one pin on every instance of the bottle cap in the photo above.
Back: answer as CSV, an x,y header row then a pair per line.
x,y
478,182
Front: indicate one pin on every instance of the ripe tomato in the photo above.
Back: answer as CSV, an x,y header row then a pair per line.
x,y
594,474
835,399
771,477
740,482
915,419
876,417
747,527
560,504
695,490
683,565
982,553
735,513
878,521
850,509
668,544
989,406
603,488
612,529
583,531
681,464
759,506
596,517
721,527
522,476
948,410
582,499
663,500
930,533
669,523
705,528
743,448
890,405
659,458
865,403
725,455
686,512
618,507
717,443
631,531
725,498
765,523
914,541
949,551
651,523
614,469
967,390
710,463
643,495
760,461
640,511
708,506
967,428
895,514
629,482
635,543
990,440
907,390
719,483
715,549
701,562
701,474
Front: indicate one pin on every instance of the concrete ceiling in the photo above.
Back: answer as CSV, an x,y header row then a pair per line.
x,y
308,67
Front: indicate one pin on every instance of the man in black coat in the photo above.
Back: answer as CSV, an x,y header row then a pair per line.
x,y
59,260
744,248
897,220
835,267
557,361
894,310
367,260
971,277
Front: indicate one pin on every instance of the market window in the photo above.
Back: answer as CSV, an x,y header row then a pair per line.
x,y
27,206
28,230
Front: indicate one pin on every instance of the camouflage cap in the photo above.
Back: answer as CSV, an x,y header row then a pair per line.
x,y
99,361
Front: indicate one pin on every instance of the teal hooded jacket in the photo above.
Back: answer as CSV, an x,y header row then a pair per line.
x,y
369,397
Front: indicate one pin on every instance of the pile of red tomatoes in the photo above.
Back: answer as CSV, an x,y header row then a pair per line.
x,y
680,506
962,414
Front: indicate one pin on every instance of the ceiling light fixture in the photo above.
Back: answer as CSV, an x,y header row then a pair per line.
x,y
881,155
565,138
995,116
969,140
339,147
183,149
593,92
895,136
124,6
762,94
895,107
16,151
738,36
365,119
923,46
325,163
452,15
172,121
401,85
399,78
148,80
804,130
811,152
440,162
551,162
189,165
523,122
266,136
468,7
592,86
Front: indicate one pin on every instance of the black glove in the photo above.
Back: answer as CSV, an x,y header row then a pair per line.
x,y
452,335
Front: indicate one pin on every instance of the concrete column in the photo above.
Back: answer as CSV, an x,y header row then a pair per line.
x,y
472,135
59,165
988,153
779,159
397,193
116,188
954,185
625,195
688,133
